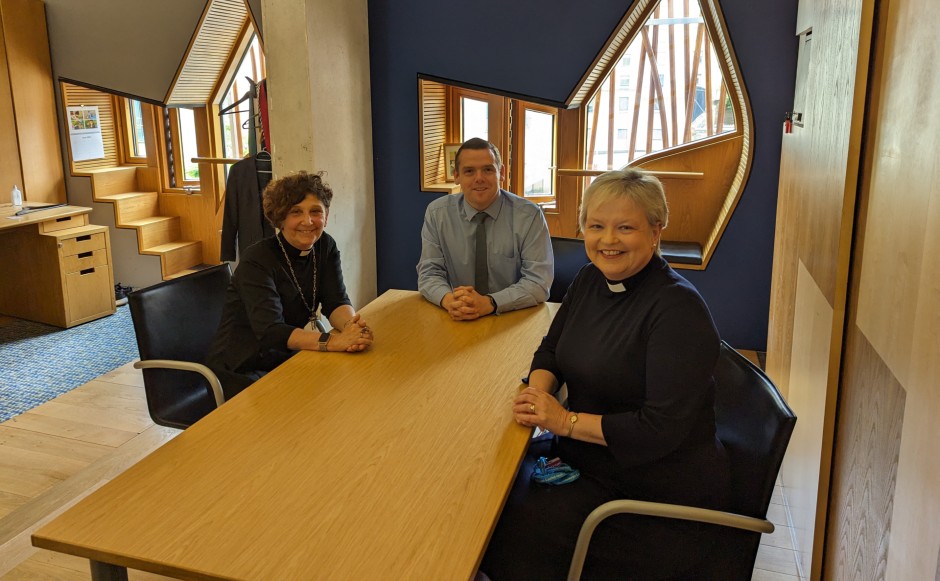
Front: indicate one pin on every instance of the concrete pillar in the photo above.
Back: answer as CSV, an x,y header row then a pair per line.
x,y
320,110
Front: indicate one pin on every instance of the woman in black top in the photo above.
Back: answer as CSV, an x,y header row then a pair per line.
x,y
636,346
271,303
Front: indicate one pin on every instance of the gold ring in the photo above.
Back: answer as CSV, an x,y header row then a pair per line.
x,y
532,407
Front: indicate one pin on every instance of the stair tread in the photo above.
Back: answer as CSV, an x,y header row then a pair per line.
x,y
149,220
124,168
170,246
124,196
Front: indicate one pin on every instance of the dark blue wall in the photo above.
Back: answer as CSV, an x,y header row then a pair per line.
x,y
541,49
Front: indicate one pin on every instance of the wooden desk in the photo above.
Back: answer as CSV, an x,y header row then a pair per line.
x,y
55,267
388,464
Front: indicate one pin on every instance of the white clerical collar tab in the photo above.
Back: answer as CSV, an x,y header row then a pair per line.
x,y
304,252
616,287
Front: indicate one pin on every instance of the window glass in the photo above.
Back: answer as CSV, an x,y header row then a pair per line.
x,y
136,133
539,154
188,149
234,125
475,119
665,95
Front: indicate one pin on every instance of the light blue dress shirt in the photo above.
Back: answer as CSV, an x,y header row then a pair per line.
x,y
520,262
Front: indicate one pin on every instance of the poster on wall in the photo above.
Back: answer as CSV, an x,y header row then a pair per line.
x,y
85,133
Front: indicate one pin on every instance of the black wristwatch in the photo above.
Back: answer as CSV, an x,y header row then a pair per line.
x,y
324,339
492,302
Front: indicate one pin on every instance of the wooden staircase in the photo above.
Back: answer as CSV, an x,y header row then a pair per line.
x,y
133,192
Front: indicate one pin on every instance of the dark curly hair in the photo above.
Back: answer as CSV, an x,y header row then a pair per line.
x,y
283,194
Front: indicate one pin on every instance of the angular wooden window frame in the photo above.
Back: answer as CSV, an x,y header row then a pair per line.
x,y
658,162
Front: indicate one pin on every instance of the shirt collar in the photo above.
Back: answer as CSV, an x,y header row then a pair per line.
x,y
492,210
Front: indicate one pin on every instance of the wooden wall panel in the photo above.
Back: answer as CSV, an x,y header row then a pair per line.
x,y
804,475
30,76
816,207
896,299
871,414
10,172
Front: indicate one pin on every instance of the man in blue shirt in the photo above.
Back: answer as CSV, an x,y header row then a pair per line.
x,y
516,266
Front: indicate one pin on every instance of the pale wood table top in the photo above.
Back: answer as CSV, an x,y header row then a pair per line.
x,y
389,464
9,219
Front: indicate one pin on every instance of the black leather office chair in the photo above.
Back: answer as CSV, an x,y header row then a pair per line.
x,y
569,258
754,424
175,322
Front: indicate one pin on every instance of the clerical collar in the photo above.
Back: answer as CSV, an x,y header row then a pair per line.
x,y
616,287
630,283
291,250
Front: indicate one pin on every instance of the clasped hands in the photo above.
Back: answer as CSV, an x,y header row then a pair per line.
x,y
466,304
355,336
534,407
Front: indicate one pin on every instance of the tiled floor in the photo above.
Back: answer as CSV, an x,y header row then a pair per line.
x,y
776,559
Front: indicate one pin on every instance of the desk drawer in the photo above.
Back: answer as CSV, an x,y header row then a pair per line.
x,y
89,293
63,223
83,243
84,260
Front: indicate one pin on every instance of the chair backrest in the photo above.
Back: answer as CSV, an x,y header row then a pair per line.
x,y
754,424
177,319
569,258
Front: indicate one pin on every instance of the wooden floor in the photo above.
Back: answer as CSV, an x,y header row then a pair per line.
x,y
57,453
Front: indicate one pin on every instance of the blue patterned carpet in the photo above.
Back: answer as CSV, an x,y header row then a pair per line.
x,y
39,362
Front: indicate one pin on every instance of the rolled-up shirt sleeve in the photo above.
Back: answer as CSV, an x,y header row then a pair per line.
x,y
432,268
537,269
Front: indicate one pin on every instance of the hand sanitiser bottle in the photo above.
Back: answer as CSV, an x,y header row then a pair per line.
x,y
16,196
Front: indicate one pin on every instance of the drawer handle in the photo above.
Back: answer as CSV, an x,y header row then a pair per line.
x,y
83,238
66,219
87,271
85,254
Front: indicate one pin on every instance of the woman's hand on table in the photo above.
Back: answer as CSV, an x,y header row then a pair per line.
x,y
355,336
535,407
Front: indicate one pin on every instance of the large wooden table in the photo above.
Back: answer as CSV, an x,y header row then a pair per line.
x,y
389,464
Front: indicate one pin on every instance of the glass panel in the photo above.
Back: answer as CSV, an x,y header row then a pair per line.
x,y
649,97
188,149
475,116
537,175
138,143
234,135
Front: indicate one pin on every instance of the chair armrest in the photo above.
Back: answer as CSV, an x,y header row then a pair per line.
x,y
704,515
207,373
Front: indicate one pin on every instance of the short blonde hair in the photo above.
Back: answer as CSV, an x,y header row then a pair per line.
x,y
643,189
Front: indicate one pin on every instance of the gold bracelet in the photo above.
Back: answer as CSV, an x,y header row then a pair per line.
x,y
572,420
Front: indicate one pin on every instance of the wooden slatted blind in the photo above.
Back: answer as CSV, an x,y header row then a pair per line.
x,y
433,131
616,44
76,96
208,52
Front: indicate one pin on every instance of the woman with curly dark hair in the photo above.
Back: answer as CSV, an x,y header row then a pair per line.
x,y
271,304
